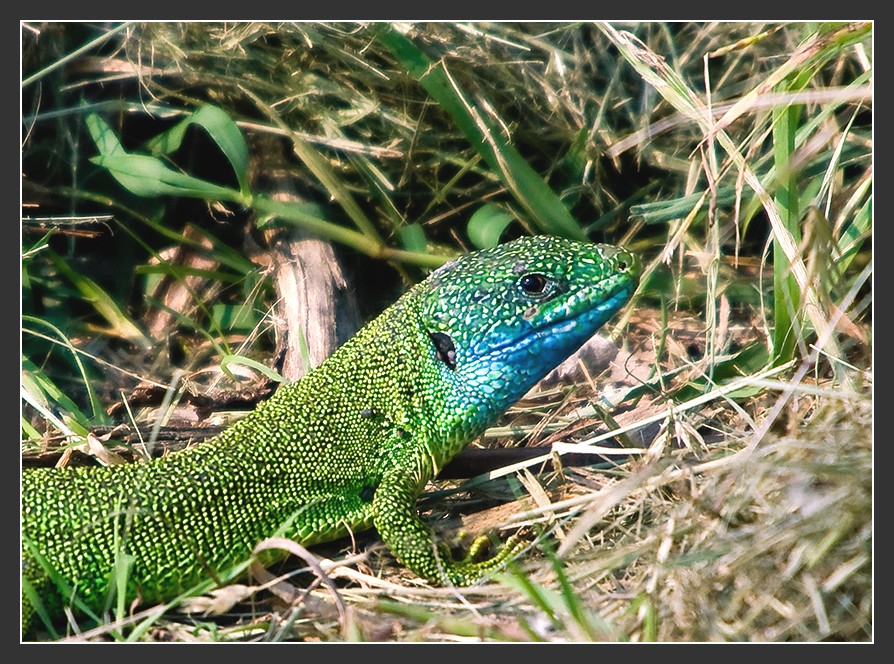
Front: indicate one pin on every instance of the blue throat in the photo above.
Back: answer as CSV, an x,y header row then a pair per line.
x,y
497,379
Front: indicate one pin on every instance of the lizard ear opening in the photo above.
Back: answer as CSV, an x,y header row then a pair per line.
x,y
445,349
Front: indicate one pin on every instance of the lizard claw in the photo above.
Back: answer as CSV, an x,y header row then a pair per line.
x,y
473,567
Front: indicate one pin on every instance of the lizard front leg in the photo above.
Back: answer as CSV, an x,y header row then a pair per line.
x,y
411,541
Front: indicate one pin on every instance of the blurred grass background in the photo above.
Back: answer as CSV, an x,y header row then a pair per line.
x,y
736,158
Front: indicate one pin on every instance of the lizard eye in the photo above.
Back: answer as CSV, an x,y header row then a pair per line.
x,y
534,284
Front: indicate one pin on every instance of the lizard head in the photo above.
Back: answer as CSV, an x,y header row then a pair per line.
x,y
502,318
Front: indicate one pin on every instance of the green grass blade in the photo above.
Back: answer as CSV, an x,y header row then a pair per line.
x,y
147,176
327,176
298,214
76,53
380,186
123,564
27,366
855,234
825,43
786,294
120,324
42,390
671,86
547,211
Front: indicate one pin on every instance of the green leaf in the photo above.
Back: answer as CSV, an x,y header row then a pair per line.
x,y
230,360
102,134
234,317
487,224
655,212
222,130
412,237
148,176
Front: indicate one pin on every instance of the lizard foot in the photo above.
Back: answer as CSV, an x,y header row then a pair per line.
x,y
473,567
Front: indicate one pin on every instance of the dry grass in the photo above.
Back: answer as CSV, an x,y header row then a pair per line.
x,y
767,545
762,544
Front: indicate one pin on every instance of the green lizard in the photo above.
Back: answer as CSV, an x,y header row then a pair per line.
x,y
350,446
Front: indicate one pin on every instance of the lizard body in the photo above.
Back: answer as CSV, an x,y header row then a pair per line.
x,y
348,447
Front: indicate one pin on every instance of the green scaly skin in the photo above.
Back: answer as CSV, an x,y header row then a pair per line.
x,y
348,447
